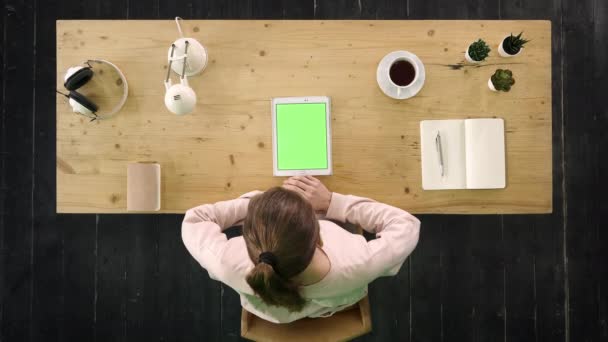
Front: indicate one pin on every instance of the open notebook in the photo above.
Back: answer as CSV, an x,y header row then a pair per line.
x,y
473,153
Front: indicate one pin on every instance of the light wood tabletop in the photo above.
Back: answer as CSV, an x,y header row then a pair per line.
x,y
224,148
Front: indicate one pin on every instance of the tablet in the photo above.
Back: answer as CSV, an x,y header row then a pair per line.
x,y
301,136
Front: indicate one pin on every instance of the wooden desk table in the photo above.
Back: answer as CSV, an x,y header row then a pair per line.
x,y
224,148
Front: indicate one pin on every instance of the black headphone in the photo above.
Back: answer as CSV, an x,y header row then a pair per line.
x,y
77,77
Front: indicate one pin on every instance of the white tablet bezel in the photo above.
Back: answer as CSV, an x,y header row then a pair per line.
x,y
301,100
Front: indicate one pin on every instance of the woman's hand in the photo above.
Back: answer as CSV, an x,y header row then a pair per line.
x,y
311,189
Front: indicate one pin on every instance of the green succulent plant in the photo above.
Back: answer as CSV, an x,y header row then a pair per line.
x,y
479,50
512,44
503,79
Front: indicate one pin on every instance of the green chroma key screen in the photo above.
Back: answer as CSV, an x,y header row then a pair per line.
x,y
301,136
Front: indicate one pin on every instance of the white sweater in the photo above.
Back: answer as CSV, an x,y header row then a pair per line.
x,y
354,261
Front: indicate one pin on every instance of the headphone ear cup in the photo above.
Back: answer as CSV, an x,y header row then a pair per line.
x,y
82,101
78,78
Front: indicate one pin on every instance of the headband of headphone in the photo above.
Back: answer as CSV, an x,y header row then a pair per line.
x,y
84,78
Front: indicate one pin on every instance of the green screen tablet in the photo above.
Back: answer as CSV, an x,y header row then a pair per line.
x,y
301,136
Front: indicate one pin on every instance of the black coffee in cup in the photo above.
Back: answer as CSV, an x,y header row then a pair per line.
x,y
402,73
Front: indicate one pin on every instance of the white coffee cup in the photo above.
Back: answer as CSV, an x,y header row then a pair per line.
x,y
393,70
391,86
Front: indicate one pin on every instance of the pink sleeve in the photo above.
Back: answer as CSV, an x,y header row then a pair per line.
x,y
396,231
203,226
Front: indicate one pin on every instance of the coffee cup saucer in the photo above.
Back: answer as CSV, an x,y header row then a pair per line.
x,y
388,87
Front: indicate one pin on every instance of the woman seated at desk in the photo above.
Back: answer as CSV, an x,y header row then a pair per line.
x,y
289,264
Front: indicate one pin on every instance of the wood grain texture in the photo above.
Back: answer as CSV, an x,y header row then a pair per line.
x,y
48,240
458,280
600,78
533,253
16,240
544,301
224,148
80,234
433,318
427,272
585,146
188,299
143,251
489,312
79,278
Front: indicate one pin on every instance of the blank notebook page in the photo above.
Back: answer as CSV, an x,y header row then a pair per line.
x,y
452,141
485,153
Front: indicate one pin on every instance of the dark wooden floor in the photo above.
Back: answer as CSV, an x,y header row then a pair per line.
x,y
472,278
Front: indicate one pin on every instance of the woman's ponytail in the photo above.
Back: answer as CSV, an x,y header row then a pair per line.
x,y
274,289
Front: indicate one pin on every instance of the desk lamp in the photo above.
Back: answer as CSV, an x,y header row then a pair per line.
x,y
190,60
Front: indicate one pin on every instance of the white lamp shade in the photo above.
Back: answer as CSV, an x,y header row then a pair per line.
x,y
197,56
180,99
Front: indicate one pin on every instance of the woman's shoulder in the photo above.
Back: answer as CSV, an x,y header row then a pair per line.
x,y
236,264
349,257
344,244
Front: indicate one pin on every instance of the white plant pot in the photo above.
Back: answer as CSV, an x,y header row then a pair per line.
x,y
469,59
491,85
503,53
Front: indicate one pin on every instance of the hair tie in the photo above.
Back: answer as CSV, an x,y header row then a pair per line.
x,y
268,258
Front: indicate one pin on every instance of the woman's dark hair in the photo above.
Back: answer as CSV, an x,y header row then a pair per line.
x,y
283,223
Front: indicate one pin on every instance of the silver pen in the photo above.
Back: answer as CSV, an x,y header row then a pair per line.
x,y
439,153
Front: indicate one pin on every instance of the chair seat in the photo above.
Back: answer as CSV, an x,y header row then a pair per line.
x,y
341,326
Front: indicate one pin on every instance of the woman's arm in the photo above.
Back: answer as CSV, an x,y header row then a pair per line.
x,y
203,226
396,230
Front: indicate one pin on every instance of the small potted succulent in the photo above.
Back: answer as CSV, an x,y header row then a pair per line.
x,y
477,52
511,46
502,80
